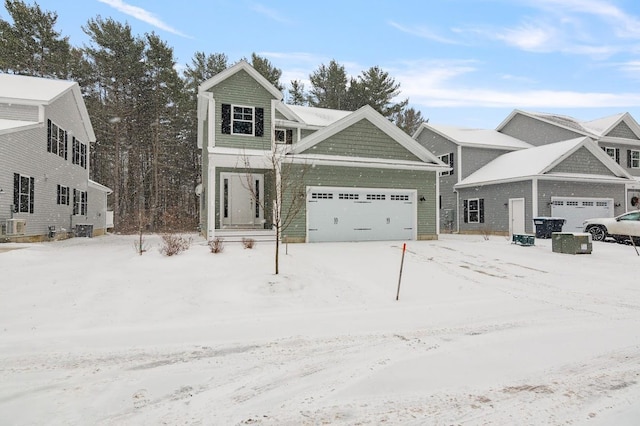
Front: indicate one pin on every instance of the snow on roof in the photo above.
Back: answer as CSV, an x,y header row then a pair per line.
x,y
485,137
528,162
602,125
318,116
562,120
22,87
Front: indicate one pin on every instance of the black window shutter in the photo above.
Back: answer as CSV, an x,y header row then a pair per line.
x,y
75,201
59,187
629,158
466,211
31,193
65,145
618,155
481,209
451,162
289,137
226,119
16,192
68,195
48,135
259,122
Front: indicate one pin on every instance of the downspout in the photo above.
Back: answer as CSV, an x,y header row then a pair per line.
x,y
534,201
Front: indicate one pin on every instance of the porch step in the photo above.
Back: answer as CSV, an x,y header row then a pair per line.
x,y
233,235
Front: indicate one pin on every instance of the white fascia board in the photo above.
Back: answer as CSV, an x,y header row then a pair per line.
x,y
620,141
496,147
333,160
99,186
242,65
557,177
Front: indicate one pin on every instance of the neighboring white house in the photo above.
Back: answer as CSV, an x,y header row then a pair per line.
x,y
45,134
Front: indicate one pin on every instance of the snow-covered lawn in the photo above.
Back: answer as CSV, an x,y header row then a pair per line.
x,y
485,332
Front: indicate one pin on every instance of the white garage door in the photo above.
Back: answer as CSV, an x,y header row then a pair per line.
x,y
576,210
360,214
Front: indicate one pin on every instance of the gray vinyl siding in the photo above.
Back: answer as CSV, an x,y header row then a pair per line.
x,y
97,207
242,90
622,130
363,139
496,206
474,159
25,152
423,182
548,189
435,143
269,191
582,162
19,112
447,202
536,132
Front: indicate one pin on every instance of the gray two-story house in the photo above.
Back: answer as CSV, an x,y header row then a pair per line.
x,y
45,135
359,176
532,165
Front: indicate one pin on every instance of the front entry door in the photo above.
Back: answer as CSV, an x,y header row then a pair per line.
x,y
516,216
237,203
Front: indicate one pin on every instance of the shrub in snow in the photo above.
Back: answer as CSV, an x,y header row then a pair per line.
x,y
216,245
248,243
174,244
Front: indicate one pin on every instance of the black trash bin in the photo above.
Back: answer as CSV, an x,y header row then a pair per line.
x,y
545,226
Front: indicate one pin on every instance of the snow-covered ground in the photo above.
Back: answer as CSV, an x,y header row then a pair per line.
x,y
485,332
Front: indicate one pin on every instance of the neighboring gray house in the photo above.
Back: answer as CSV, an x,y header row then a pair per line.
x,y
572,179
364,179
535,165
45,134
465,151
618,135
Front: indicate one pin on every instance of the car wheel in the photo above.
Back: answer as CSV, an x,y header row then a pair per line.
x,y
598,233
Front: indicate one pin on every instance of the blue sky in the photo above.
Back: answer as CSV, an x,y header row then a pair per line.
x,y
460,62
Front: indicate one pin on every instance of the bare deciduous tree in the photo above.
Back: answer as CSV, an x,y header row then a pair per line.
x,y
289,191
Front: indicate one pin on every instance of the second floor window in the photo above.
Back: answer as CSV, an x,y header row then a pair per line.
x,y
633,159
79,153
447,159
242,120
56,140
614,153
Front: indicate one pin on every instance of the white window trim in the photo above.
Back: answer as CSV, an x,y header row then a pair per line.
x,y
253,120
445,159
635,160
476,210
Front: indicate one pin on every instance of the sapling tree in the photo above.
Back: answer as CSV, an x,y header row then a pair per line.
x,y
288,188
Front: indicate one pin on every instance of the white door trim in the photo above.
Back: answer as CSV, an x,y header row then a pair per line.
x,y
240,179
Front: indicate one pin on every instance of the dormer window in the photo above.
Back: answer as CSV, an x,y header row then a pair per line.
x,y
242,120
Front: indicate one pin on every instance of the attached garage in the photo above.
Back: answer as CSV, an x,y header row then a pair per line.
x,y
360,214
576,210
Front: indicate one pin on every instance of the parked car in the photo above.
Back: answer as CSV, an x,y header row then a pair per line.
x,y
620,228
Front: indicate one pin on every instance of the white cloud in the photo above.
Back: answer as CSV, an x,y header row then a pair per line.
x,y
422,32
529,37
142,15
269,13
437,84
